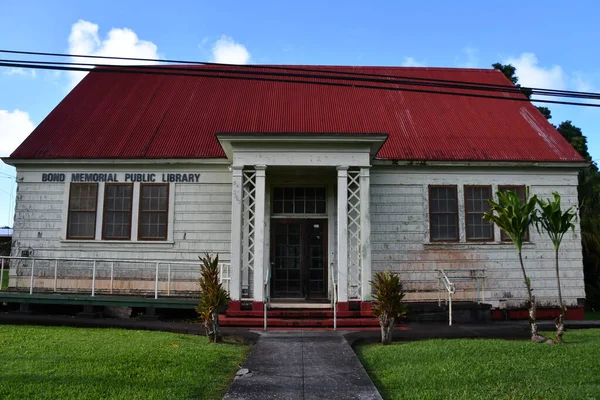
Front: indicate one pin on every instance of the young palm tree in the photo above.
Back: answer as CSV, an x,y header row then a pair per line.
x,y
388,305
213,296
556,223
514,217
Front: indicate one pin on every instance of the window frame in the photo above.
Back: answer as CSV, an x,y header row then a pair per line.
x,y
492,238
68,234
527,237
431,239
106,185
140,212
296,214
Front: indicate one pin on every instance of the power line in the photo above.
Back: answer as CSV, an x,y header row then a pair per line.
x,y
316,69
388,80
222,74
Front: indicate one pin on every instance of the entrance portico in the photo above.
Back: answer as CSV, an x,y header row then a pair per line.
x,y
326,220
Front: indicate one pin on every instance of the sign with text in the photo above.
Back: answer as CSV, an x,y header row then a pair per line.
x,y
121,177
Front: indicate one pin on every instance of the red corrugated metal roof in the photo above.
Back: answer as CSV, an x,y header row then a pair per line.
x,y
122,115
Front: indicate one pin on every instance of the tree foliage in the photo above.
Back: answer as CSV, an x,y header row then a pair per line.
x,y
213,296
511,73
514,217
388,305
588,190
545,112
575,136
550,217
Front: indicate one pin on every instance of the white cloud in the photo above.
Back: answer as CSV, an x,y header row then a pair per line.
x,y
21,71
581,84
472,60
411,62
120,42
14,128
533,75
227,51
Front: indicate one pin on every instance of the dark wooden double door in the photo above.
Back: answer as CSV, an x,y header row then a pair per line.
x,y
299,259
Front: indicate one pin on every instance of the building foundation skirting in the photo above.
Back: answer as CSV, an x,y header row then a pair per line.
x,y
542,313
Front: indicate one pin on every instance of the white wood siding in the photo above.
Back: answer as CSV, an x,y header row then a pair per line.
x,y
400,235
201,222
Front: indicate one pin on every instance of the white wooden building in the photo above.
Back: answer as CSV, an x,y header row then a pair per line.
x,y
298,184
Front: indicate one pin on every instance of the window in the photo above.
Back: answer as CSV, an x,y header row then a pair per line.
x,y
521,192
443,213
154,204
82,211
117,211
476,203
299,200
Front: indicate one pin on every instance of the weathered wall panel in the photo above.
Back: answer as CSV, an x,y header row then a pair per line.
x,y
201,221
400,235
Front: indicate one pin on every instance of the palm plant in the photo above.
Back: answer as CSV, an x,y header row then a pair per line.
x,y
514,217
212,296
556,223
387,302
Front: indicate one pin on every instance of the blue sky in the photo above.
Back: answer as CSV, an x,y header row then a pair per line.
x,y
554,44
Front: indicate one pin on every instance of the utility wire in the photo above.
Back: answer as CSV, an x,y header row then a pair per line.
x,y
314,70
222,74
389,80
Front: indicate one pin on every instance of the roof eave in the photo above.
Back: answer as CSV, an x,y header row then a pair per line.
x,y
479,163
374,140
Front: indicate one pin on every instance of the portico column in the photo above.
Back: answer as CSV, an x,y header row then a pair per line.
x,y
235,284
342,233
259,233
365,233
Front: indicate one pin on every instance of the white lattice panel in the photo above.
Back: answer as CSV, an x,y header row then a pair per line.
x,y
354,248
248,225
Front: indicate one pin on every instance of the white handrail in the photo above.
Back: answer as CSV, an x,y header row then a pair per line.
x,y
333,296
266,293
1,273
225,277
443,279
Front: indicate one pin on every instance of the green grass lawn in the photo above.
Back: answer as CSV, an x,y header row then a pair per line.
x,y
487,369
4,280
76,363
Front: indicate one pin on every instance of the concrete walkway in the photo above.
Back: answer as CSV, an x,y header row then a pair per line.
x,y
302,365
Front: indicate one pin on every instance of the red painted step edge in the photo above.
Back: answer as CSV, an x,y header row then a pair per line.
x,y
300,314
280,322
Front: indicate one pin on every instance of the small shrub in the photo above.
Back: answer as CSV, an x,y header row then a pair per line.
x,y
388,306
212,296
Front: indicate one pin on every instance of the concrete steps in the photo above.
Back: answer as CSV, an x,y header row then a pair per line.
x,y
255,322
298,318
463,312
